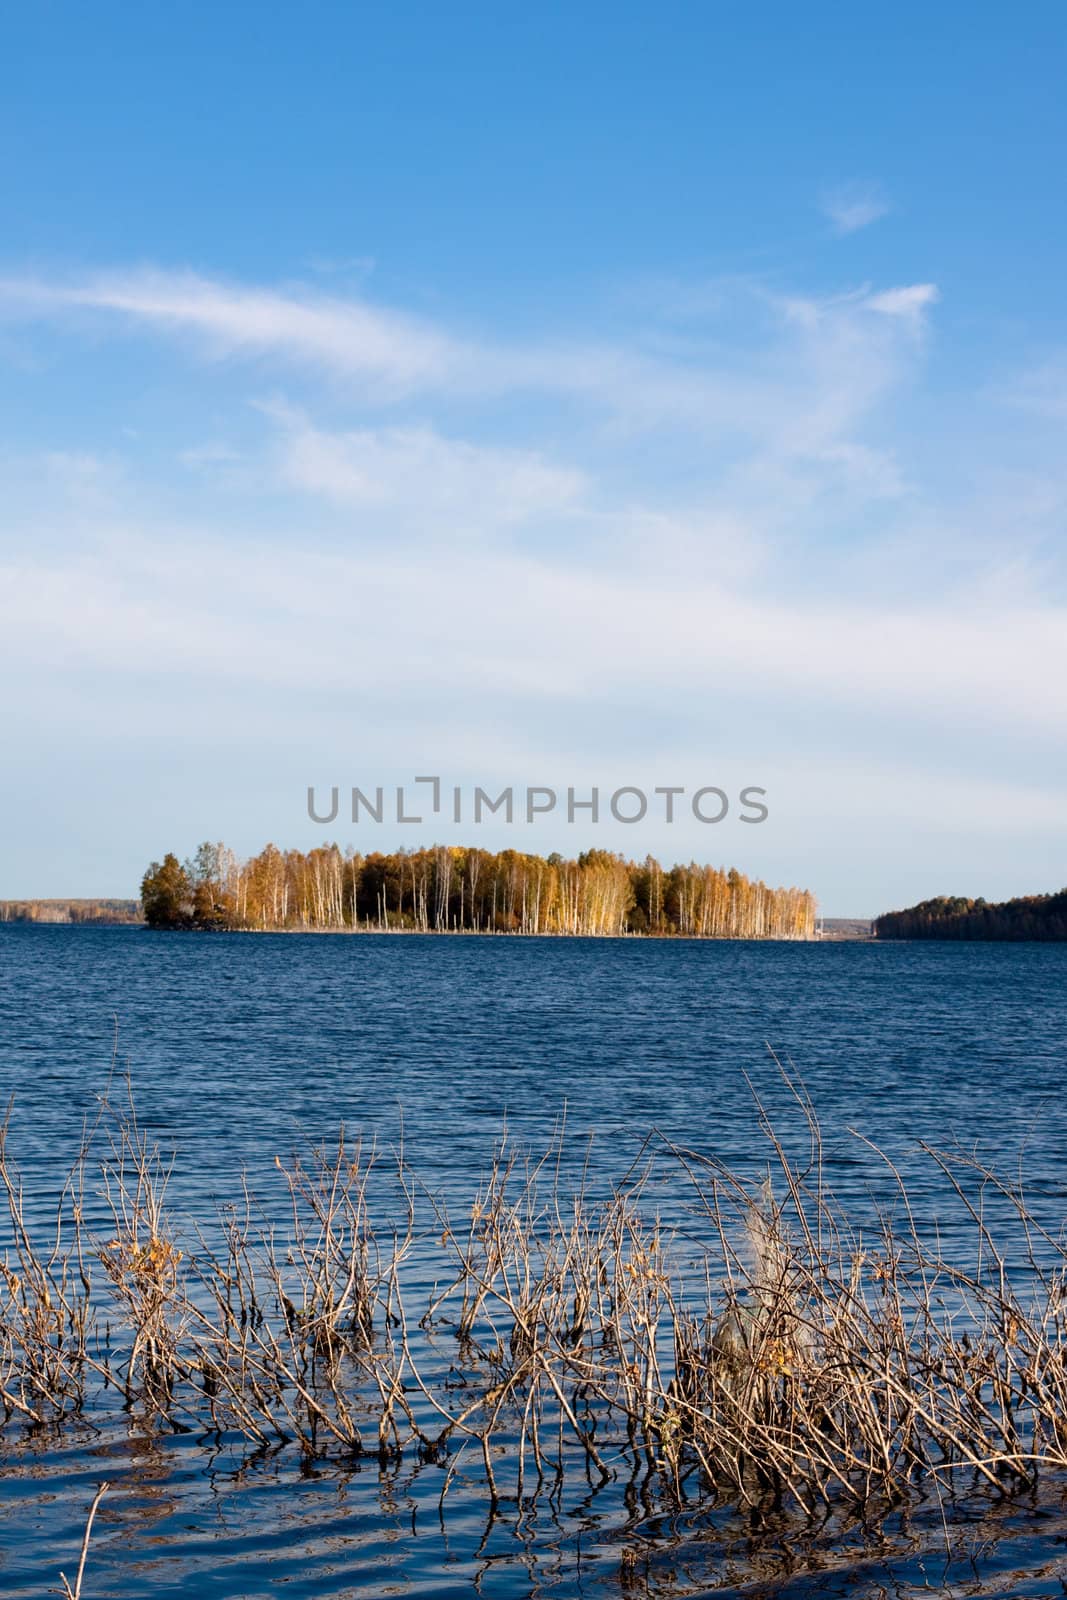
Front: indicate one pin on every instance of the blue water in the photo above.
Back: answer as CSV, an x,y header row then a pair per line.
x,y
240,1046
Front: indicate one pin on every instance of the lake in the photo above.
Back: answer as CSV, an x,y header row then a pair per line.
x,y
240,1048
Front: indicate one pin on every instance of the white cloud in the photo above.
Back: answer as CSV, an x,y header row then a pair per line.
x,y
907,303
852,206
390,356
419,471
327,332
560,634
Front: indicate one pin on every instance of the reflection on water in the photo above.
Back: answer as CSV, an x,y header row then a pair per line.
x,y
238,1047
188,1517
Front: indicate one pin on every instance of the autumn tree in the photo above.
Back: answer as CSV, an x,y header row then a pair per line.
x,y
166,894
448,888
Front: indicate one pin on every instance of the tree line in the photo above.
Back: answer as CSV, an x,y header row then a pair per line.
x,y
105,912
1035,916
452,889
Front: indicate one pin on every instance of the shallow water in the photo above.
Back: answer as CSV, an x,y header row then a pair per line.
x,y
238,1047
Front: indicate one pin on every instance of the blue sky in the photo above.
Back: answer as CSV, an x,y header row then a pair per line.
x,y
652,395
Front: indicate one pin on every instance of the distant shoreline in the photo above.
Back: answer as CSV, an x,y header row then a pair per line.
x,y
114,912
852,931
108,911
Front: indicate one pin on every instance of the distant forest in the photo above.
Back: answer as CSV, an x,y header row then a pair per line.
x,y
106,912
1037,916
447,889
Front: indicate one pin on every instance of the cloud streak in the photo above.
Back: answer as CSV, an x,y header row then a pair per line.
x,y
325,332
852,206
559,634
909,303
394,357
423,474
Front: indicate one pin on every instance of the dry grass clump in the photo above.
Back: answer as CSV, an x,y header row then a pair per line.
x,y
46,1318
141,1260
765,1350
283,1322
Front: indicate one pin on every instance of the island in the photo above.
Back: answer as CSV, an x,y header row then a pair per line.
x,y
453,889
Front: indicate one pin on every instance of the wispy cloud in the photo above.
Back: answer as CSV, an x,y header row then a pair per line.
x,y
546,631
908,303
424,474
395,357
332,333
851,206
761,428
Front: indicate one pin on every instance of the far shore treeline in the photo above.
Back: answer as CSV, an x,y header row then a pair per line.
x,y
446,889
1035,916
83,913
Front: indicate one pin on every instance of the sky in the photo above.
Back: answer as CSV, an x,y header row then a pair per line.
x,y
577,397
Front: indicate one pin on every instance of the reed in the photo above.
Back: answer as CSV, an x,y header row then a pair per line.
x,y
777,1356
46,1303
73,1591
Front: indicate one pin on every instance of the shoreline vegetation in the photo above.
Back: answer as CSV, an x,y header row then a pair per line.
x,y
450,889
1037,916
774,1355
